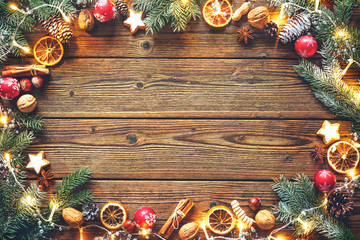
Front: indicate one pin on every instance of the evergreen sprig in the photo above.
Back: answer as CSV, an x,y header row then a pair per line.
x,y
161,12
300,195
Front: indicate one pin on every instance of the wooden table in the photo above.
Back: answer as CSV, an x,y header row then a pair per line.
x,y
174,115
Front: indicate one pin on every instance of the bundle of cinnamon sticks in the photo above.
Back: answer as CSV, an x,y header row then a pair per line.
x,y
179,214
24,70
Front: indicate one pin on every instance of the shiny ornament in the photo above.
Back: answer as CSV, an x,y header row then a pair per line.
x,y
306,46
324,180
104,10
145,218
9,88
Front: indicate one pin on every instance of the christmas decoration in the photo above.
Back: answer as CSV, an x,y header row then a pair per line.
x,y
134,21
258,17
72,217
86,20
25,85
271,28
240,214
241,11
180,212
254,203
324,180
109,219
9,88
343,157
26,103
189,231
300,206
217,13
145,218
329,132
90,211
37,81
306,46
244,34
339,205
129,226
122,7
318,154
104,11
296,27
57,28
161,12
37,162
24,70
265,219
220,220
45,177
48,51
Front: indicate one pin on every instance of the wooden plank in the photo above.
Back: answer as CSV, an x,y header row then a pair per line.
x,y
179,88
182,149
162,196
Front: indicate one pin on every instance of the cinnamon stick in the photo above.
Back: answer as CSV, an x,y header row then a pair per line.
x,y
12,67
168,227
22,71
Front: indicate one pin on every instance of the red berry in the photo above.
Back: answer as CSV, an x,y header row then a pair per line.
x,y
25,85
37,81
129,226
254,203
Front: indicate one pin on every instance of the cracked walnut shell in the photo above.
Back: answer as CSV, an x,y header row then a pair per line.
x,y
27,103
258,17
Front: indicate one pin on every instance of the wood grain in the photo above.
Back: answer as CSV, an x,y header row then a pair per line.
x,y
182,149
163,196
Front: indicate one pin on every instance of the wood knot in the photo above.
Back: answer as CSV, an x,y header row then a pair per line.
x,y
146,45
140,85
93,129
71,93
287,158
132,139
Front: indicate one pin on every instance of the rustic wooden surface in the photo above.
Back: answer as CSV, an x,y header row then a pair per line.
x,y
174,115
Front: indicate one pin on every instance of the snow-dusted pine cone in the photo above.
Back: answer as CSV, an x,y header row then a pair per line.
x,y
90,211
57,28
296,27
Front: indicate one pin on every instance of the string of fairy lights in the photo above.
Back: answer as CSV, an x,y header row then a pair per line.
x,y
31,202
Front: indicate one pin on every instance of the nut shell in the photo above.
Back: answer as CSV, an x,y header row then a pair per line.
x,y
189,231
73,217
86,20
242,10
258,17
265,219
27,103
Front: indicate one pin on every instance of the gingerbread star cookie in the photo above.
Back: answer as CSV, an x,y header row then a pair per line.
x,y
134,21
329,132
37,162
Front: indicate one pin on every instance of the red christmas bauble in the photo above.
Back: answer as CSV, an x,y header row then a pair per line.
x,y
306,46
324,180
104,10
9,88
145,218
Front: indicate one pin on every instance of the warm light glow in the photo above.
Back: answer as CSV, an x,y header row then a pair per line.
x,y
341,33
184,1
241,225
305,224
352,173
282,11
25,49
30,200
3,120
279,238
13,7
351,61
325,201
81,231
144,232
317,5
7,157
66,18
203,226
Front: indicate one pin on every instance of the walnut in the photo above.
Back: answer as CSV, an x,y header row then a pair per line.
x,y
86,20
258,17
189,231
73,217
27,103
265,219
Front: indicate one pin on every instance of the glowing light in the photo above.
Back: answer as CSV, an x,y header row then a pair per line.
x,y
282,11
13,7
241,227
184,1
203,226
25,49
317,5
3,120
341,33
30,201
66,18
304,224
144,232
325,201
352,174
7,157
351,61
279,238
81,231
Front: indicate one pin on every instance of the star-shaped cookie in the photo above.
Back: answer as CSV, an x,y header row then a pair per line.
x,y
37,162
134,21
329,132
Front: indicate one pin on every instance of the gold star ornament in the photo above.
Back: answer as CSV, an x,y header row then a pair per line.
x,y
37,162
329,132
134,21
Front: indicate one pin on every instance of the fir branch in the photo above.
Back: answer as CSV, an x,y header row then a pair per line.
x,y
28,120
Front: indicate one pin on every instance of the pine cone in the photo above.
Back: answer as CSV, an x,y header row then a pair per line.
x,y
57,28
271,28
296,27
90,211
84,3
122,7
339,205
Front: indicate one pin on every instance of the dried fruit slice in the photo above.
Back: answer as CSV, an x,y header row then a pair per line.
x,y
113,215
48,51
220,220
217,13
343,157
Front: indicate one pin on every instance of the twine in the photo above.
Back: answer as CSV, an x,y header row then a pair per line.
x,y
178,212
32,69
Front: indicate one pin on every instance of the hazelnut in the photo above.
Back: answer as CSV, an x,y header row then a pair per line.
x,y
86,20
25,85
27,103
37,81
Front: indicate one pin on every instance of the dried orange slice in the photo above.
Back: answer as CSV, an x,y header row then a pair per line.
x,y
217,13
343,157
48,51
113,215
220,220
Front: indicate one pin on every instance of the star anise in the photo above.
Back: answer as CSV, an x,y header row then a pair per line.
x,y
318,154
244,34
46,175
